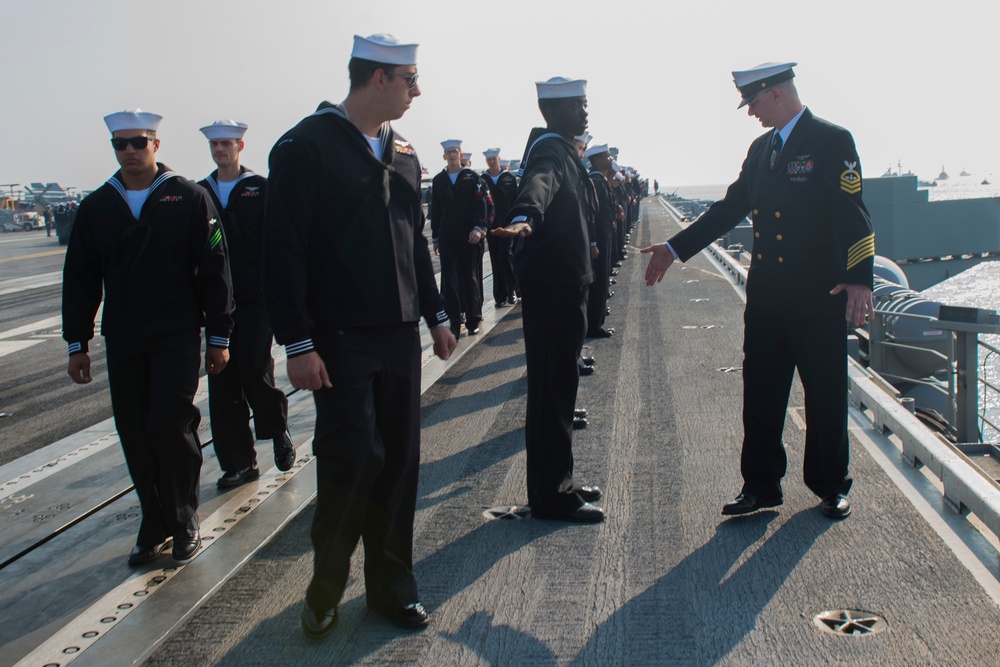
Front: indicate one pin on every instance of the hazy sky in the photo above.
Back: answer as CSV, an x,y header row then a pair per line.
x,y
914,81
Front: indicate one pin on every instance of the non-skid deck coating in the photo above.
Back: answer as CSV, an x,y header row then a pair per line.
x,y
664,581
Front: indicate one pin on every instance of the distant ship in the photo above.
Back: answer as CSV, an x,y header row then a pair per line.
x,y
943,176
965,173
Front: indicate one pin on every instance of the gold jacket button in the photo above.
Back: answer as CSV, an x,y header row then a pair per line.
x,y
756,235
755,211
781,259
777,214
759,256
778,237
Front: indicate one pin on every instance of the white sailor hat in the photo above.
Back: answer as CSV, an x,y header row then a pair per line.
x,y
596,149
132,119
491,152
225,129
585,138
504,163
560,87
752,81
619,176
451,143
384,48
466,156
614,165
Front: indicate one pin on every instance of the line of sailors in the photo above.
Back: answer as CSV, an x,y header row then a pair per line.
x,y
168,257
159,290
466,206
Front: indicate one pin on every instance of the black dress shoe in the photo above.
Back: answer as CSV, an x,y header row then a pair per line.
x,y
836,506
579,422
585,513
611,293
500,304
580,412
512,301
187,541
586,370
588,361
614,272
231,479
600,332
284,452
473,330
412,616
746,503
142,554
589,494
318,624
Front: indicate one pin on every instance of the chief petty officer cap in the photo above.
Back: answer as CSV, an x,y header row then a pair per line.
x,y
224,129
451,143
559,87
597,149
384,48
132,119
752,81
491,152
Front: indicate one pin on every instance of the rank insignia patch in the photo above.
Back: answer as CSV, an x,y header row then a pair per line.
x,y
215,233
798,167
850,180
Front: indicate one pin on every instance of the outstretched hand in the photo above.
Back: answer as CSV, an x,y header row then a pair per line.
x,y
510,231
660,260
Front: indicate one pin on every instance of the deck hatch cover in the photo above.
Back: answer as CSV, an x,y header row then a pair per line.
x,y
850,622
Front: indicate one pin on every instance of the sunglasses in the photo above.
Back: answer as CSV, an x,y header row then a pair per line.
x,y
138,143
411,79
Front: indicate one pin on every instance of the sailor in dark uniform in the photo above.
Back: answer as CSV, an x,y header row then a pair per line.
x,y
553,265
347,276
811,274
604,219
502,187
458,228
248,380
152,242
622,194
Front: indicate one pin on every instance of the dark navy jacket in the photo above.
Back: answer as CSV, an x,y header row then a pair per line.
x,y
165,273
343,233
811,228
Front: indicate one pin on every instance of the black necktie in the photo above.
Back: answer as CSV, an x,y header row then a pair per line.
x,y
775,149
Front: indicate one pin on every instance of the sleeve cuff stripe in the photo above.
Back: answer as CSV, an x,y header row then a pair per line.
x,y
867,242
300,347
75,347
218,341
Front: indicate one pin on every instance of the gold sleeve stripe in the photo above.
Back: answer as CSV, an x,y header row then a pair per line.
x,y
861,251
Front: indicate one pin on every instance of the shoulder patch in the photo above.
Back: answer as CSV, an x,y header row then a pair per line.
x,y
850,179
